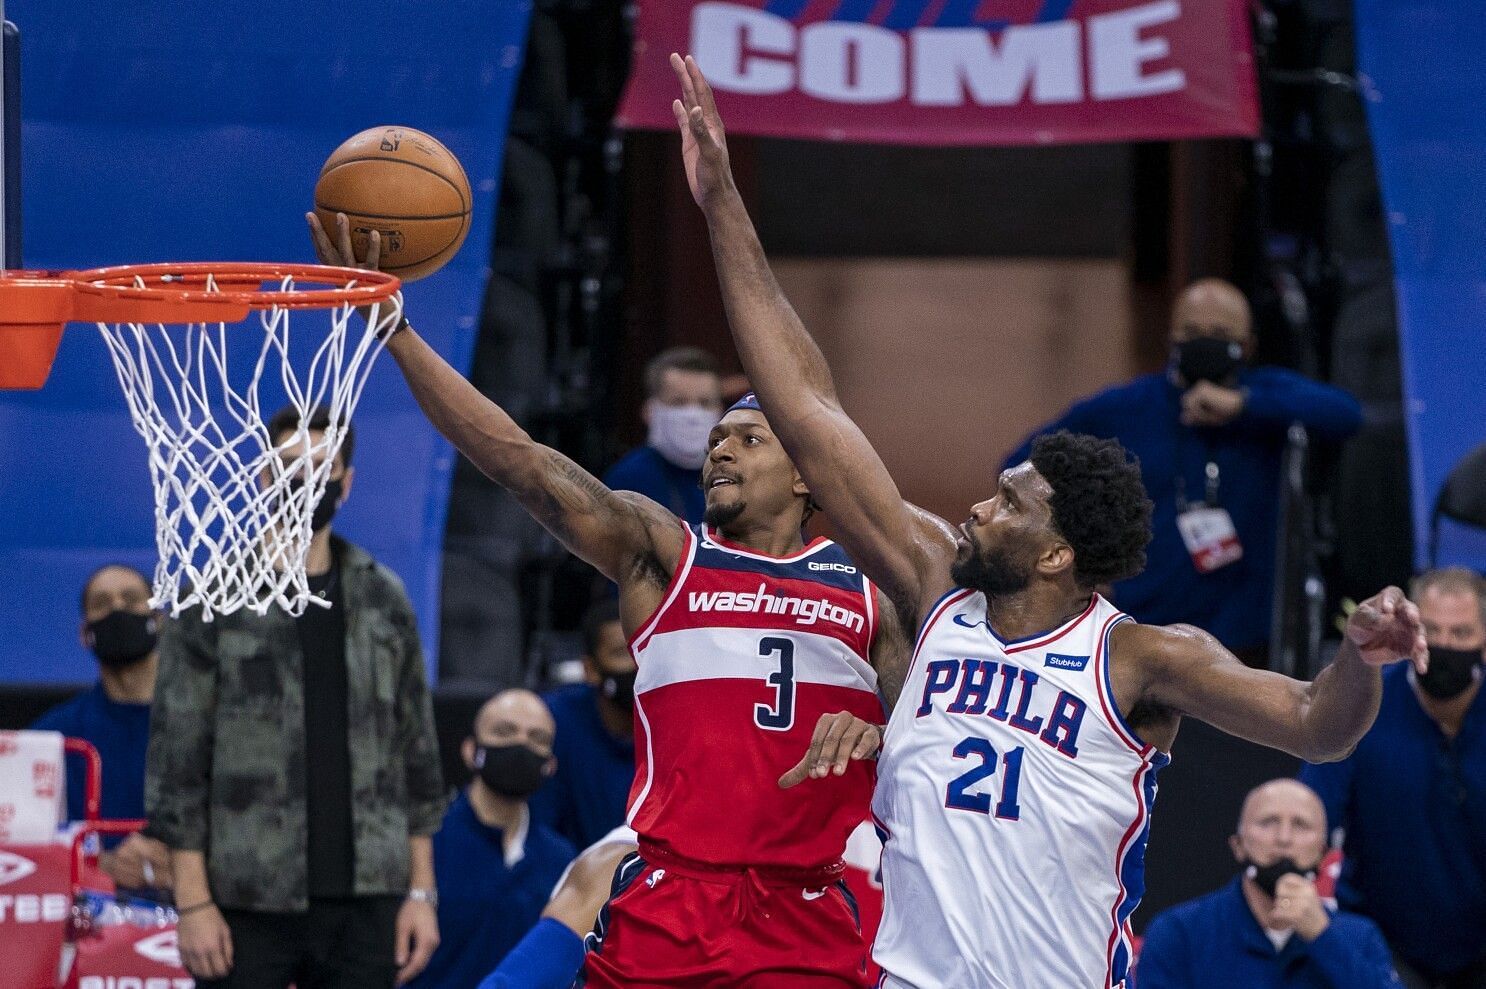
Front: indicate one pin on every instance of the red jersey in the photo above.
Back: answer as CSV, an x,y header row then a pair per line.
x,y
744,655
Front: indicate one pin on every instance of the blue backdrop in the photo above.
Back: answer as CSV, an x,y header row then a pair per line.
x,y
1424,76
195,131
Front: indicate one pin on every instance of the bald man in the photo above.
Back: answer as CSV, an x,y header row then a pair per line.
x,y
1209,430
1268,928
495,866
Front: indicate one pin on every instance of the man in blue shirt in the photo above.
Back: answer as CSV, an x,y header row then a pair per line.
x,y
1209,432
120,629
1411,800
495,866
1268,928
683,402
595,736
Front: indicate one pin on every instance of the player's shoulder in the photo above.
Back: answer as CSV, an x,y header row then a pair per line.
x,y
1160,644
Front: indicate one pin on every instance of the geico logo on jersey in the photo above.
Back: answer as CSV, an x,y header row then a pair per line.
x,y
805,611
13,867
161,948
135,982
835,567
33,908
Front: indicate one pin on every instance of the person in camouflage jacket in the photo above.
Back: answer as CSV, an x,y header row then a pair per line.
x,y
229,759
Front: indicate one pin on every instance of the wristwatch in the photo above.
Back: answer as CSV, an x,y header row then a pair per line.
x,y
419,894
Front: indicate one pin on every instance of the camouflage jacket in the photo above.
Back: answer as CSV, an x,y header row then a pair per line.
x,y
226,769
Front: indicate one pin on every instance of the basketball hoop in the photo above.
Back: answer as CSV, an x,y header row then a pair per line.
x,y
232,507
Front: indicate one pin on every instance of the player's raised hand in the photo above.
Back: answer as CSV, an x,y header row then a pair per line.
x,y
338,250
839,738
1386,628
704,148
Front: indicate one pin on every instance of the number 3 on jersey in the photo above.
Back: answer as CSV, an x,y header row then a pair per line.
x,y
779,716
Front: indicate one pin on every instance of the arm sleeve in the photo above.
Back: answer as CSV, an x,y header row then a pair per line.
x,y
418,739
1163,957
177,783
1354,956
547,958
1278,397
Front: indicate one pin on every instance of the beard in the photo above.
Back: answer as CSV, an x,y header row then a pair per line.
x,y
993,574
720,516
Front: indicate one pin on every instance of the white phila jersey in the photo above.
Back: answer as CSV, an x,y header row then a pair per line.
x,y
1014,804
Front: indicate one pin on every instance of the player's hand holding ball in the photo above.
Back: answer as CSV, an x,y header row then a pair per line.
x,y
839,739
1386,628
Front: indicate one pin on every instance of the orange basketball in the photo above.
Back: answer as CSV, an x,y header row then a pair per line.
x,y
407,186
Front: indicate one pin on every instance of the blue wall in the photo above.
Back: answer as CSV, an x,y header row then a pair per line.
x,y
195,131
1424,72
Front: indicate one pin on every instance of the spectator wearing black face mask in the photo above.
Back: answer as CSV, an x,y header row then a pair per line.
x,y
595,736
121,629
1411,800
1209,431
495,865
1268,928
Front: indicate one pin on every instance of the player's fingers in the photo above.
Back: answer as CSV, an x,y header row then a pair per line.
x,y
321,239
343,238
404,942
703,90
679,112
797,773
688,88
868,744
699,128
373,250
850,738
827,756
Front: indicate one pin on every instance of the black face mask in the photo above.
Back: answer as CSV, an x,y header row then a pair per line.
x,y
619,688
121,638
1450,672
325,508
513,771
1206,359
1267,877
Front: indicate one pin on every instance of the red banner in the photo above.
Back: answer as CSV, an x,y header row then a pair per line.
x,y
954,72
35,906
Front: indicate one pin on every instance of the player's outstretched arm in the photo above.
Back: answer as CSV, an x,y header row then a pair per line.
x,y
1188,671
615,531
904,549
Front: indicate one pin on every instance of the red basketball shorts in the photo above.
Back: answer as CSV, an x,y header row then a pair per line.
x,y
675,922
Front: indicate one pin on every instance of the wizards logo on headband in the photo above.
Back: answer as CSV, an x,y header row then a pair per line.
x,y
748,401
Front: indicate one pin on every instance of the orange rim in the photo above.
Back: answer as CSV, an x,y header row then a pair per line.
x,y
238,281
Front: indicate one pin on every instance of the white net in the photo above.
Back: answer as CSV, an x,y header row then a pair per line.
x,y
232,507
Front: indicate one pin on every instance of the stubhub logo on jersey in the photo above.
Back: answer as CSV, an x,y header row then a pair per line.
x,y
1004,692
805,611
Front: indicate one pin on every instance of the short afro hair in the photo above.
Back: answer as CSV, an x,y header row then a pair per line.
x,y
1099,504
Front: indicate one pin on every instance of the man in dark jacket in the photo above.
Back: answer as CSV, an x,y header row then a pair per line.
x,y
294,774
1209,432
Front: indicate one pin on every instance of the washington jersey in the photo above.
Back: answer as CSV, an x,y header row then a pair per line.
x,y
744,655
1014,803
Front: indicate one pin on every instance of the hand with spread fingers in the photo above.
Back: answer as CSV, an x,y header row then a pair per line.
x,y
704,148
839,739
1386,628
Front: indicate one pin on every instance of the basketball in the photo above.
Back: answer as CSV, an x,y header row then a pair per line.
x,y
405,185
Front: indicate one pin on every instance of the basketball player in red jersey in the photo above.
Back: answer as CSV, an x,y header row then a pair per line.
x,y
752,646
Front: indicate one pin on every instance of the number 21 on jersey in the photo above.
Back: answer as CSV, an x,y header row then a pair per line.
x,y
975,747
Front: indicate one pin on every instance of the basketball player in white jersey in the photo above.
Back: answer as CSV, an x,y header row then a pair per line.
x,y
747,641
1018,771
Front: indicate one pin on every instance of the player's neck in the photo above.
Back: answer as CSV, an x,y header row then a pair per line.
x,y
774,537
134,684
494,810
1036,608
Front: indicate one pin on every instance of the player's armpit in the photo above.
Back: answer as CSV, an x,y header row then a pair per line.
x,y
1187,670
